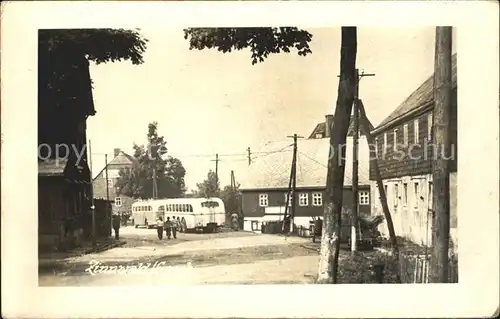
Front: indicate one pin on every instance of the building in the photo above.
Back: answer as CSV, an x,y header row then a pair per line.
x,y
405,154
265,187
63,172
104,188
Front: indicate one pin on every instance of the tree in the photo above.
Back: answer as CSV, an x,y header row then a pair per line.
x,y
64,83
231,198
209,187
262,42
137,182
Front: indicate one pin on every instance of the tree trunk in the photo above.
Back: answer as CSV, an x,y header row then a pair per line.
x,y
441,165
365,128
330,239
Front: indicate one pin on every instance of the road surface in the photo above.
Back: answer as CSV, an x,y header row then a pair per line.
x,y
225,257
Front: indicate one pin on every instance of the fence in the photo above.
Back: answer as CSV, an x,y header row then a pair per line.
x,y
414,269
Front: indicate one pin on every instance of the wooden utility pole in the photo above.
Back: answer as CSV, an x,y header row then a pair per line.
x,y
92,207
107,193
294,179
365,128
288,197
249,156
441,165
216,171
355,164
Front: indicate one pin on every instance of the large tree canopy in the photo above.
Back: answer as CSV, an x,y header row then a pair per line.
x,y
137,182
260,41
98,45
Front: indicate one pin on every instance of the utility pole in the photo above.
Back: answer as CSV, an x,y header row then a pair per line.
x,y
365,128
355,165
249,156
289,197
216,171
294,178
107,193
92,207
441,165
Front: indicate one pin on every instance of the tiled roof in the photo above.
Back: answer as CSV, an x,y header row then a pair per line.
x,y
421,97
271,170
120,160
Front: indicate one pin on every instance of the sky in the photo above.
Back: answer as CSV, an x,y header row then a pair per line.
x,y
207,102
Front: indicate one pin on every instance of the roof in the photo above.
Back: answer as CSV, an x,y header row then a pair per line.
x,y
422,97
52,167
272,170
121,159
320,129
62,168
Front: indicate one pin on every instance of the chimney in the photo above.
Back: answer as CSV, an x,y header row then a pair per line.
x,y
328,124
116,152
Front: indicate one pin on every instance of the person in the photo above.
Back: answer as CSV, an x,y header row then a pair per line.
x,y
318,225
234,221
179,225
168,227
174,227
159,227
184,224
116,226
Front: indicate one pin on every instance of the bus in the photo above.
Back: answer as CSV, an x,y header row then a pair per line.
x,y
199,214
144,213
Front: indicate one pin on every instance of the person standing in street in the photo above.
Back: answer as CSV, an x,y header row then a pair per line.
x,y
116,226
159,227
184,225
174,227
179,225
168,227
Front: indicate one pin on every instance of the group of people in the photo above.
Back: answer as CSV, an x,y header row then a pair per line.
x,y
171,226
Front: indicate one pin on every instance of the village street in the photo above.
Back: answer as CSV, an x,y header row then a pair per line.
x,y
225,257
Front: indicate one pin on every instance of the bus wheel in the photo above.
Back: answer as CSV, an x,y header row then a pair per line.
x,y
136,226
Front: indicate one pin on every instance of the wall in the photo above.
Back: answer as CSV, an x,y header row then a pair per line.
x,y
393,164
251,208
412,221
100,189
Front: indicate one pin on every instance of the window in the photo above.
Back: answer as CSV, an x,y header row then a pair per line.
x,y
263,200
430,194
395,142
255,224
303,199
317,199
396,194
364,198
118,201
110,182
429,126
415,132
190,208
385,143
287,199
405,194
376,147
405,134
416,191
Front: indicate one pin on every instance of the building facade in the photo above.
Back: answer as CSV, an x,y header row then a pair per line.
x,y
63,172
405,154
106,188
265,188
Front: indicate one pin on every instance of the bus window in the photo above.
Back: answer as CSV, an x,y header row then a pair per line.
x,y
183,207
190,208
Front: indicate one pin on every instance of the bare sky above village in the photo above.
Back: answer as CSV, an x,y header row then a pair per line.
x,y
207,102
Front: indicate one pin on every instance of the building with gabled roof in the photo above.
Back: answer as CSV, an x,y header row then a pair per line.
x,y
265,187
104,188
405,155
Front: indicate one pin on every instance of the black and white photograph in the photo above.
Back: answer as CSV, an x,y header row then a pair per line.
x,y
277,154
